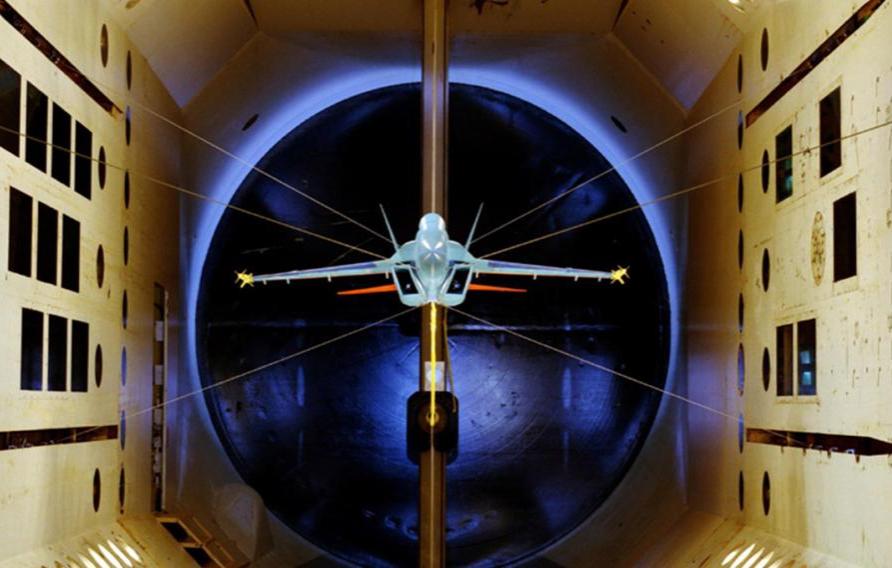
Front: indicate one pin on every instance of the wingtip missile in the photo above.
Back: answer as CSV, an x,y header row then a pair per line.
x,y
244,279
619,275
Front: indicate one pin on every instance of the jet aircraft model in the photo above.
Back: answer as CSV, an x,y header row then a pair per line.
x,y
432,268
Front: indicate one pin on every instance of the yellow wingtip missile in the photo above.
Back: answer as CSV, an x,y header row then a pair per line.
x,y
619,275
244,279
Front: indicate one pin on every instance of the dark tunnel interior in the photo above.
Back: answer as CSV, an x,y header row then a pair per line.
x,y
544,440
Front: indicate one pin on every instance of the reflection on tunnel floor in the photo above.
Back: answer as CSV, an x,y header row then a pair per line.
x,y
543,439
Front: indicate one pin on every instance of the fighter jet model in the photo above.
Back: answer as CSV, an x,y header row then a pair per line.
x,y
432,268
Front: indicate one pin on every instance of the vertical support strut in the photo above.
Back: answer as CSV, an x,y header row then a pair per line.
x,y
432,463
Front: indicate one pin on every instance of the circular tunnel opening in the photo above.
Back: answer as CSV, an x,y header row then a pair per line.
x,y
544,439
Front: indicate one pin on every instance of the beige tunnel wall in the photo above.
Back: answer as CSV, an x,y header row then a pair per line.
x,y
47,493
834,503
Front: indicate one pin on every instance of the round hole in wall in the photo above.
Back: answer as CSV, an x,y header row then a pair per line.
x,y
764,49
739,130
740,73
740,490
126,190
766,369
123,366
766,493
741,369
740,193
122,430
740,313
766,171
124,310
126,245
740,433
97,366
618,124
97,490
103,45
766,269
101,167
127,128
740,250
122,490
129,70
100,266
250,122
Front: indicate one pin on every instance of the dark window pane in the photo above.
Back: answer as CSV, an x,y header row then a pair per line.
x,y
80,346
845,238
783,171
71,253
785,360
83,164
10,108
57,357
47,243
61,150
37,109
808,364
32,350
20,223
831,130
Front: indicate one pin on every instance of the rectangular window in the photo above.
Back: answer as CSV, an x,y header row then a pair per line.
x,y
10,108
32,350
831,131
80,347
785,360
61,150
20,223
807,358
783,166
36,120
83,160
47,243
845,241
71,253
57,353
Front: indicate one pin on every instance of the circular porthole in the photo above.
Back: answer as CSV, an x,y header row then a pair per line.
x,y
766,171
100,266
764,49
123,366
766,369
766,493
101,167
250,122
740,313
740,250
618,124
740,73
103,45
126,245
766,270
97,366
129,71
97,490
122,490
741,370
126,190
740,193
127,127
124,310
740,491
123,429
739,130
740,433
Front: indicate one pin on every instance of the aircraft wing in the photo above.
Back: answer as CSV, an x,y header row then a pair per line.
x,y
482,266
328,272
